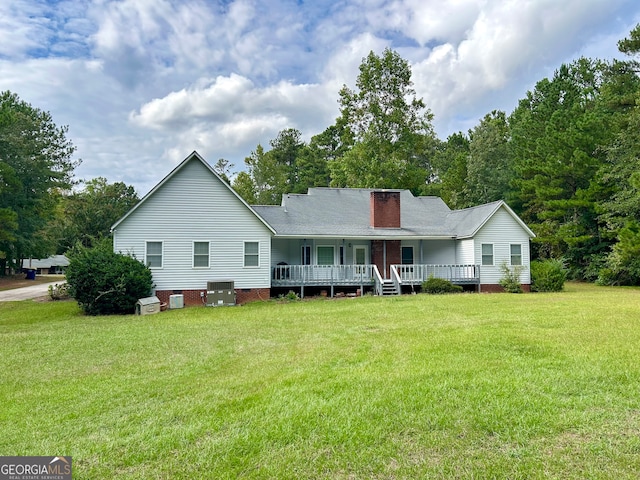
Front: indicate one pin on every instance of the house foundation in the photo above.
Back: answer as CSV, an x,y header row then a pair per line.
x,y
198,297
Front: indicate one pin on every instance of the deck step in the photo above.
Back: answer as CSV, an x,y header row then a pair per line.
x,y
389,288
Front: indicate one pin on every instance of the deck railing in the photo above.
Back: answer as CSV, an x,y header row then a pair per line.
x,y
458,274
368,275
378,282
323,275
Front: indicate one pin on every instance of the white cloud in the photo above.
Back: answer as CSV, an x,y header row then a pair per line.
x,y
23,27
142,83
231,114
507,43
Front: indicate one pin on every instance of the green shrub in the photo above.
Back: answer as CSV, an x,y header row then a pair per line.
x,y
510,280
439,286
548,276
622,266
291,296
104,282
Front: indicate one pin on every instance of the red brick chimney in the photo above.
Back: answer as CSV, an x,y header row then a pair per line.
x,y
385,209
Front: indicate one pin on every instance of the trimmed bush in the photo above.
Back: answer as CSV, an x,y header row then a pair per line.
x,y
548,276
439,286
104,282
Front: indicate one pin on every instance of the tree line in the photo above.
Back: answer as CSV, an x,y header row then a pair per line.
x,y
566,160
43,209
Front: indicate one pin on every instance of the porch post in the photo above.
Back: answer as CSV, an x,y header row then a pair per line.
x,y
384,257
332,282
304,253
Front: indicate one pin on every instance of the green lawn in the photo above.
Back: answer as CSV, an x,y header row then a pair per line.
x,y
464,386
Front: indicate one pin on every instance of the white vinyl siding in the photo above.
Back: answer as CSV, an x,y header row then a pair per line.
x,y
153,254
465,254
200,254
251,254
516,254
193,205
502,230
487,254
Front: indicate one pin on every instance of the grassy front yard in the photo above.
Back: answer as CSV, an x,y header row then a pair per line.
x,y
467,386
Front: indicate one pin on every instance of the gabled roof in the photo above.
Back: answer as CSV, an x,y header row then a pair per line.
x,y
52,261
345,212
468,221
194,156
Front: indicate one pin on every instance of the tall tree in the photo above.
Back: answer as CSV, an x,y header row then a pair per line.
x,y
268,176
393,137
244,186
35,163
619,175
489,166
87,215
276,171
223,168
558,132
285,149
450,172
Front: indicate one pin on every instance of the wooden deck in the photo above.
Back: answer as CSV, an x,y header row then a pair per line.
x,y
322,275
456,274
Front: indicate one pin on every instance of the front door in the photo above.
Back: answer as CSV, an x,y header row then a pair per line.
x,y
359,256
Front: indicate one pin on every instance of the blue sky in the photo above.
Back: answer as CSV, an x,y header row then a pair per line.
x,y
143,83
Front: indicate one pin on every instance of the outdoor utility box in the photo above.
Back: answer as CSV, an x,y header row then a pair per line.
x,y
176,301
220,293
148,306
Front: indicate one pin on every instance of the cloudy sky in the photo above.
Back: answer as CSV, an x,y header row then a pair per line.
x,y
142,83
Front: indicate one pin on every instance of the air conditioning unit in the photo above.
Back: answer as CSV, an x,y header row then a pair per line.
x,y
220,293
176,301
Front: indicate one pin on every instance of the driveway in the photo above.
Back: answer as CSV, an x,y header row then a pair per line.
x,y
26,293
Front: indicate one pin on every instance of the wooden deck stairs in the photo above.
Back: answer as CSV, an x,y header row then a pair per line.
x,y
389,288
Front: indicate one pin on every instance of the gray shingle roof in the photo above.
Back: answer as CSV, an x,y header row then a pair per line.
x,y
344,212
52,261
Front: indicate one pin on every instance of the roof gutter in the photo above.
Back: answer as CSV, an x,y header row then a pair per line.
x,y
368,237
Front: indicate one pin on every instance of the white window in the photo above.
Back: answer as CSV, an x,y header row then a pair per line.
x,y
325,255
251,254
200,254
516,254
487,254
153,254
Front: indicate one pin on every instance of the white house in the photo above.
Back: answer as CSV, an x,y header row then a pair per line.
x,y
192,228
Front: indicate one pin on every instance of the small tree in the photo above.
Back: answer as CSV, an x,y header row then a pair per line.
x,y
104,282
510,280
